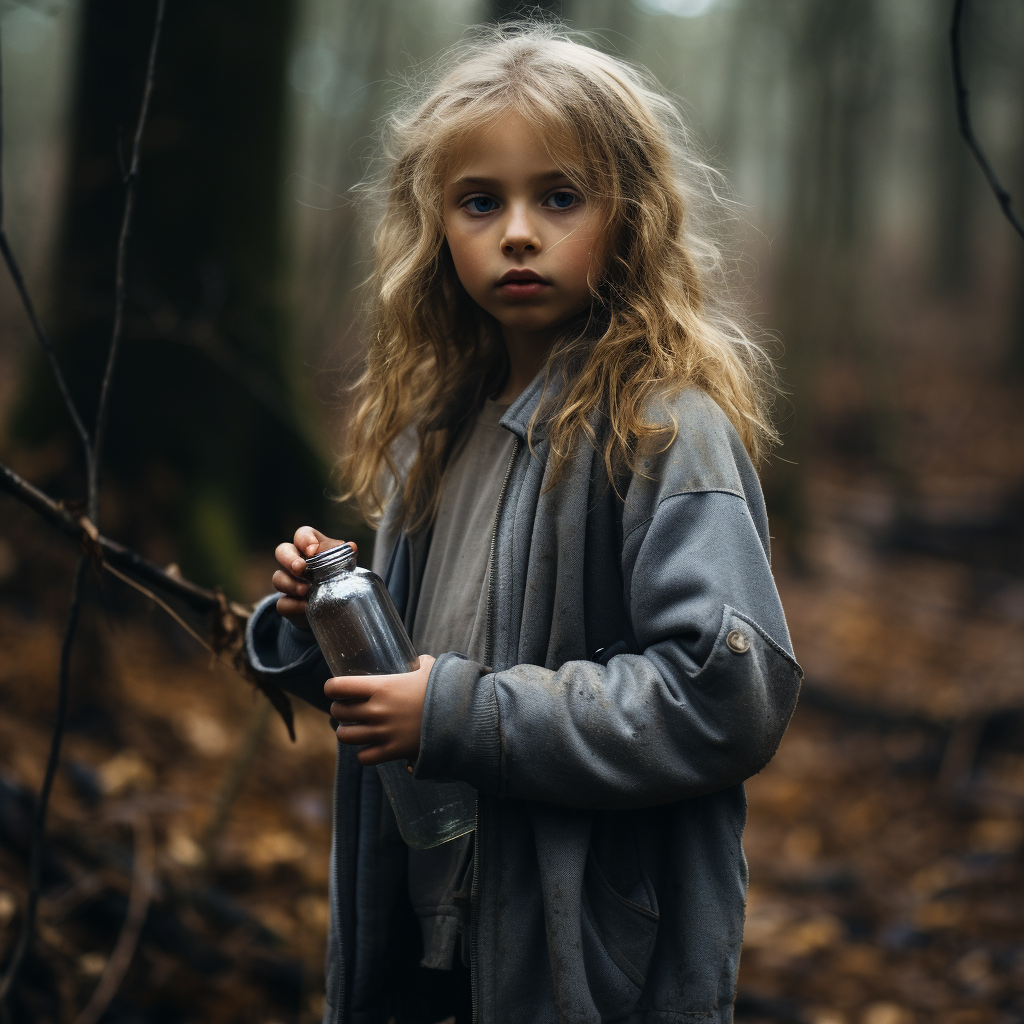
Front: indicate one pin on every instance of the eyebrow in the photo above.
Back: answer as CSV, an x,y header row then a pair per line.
x,y
486,182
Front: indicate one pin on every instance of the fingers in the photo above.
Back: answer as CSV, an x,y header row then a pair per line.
x,y
375,740
292,556
358,687
383,715
289,558
285,583
310,541
351,712
307,542
360,735
374,744
378,755
351,701
294,611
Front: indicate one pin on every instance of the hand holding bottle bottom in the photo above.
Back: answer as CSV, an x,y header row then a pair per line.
x,y
382,714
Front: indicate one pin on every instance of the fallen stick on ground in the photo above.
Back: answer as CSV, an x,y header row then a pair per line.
x,y
116,967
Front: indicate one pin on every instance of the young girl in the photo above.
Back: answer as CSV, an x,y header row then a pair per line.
x,y
554,434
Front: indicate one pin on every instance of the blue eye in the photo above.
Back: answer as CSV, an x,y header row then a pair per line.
x,y
562,200
481,204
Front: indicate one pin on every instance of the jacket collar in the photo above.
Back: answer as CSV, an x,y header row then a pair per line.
x,y
517,416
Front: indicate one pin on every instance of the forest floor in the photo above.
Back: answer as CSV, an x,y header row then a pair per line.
x,y
885,839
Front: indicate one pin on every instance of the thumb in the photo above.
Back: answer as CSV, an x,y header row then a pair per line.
x,y
310,541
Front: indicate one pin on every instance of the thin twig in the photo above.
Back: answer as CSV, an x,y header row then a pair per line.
x,y
199,599
89,533
146,592
72,898
35,871
131,187
963,114
226,618
227,638
238,771
143,868
33,318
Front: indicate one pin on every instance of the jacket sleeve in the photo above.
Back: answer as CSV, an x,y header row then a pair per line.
x,y
703,706
288,656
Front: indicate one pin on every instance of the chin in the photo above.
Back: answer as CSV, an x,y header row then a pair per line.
x,y
528,323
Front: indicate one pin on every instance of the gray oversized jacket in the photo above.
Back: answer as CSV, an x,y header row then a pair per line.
x,y
639,668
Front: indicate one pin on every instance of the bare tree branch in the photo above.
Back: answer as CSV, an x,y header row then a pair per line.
x,y
93,454
131,187
157,600
278,698
80,528
226,618
35,870
963,114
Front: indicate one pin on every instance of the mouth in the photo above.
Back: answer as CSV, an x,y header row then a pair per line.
x,y
521,283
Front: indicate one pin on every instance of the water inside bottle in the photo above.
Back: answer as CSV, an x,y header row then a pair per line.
x,y
428,813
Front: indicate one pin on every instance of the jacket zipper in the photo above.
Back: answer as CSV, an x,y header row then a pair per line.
x,y
474,889
339,1010
474,975
492,576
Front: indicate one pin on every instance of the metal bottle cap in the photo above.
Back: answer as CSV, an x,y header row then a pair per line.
x,y
328,563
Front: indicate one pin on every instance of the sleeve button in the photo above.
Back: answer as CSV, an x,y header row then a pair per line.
x,y
737,642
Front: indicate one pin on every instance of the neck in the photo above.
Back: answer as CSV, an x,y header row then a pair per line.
x,y
527,351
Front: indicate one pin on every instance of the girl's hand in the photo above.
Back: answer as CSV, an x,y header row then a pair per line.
x,y
292,557
381,714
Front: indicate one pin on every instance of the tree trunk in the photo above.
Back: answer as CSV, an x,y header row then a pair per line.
x,y
203,443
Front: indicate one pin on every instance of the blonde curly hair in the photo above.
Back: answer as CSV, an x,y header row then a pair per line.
x,y
660,320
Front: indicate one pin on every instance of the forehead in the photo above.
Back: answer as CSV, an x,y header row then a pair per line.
x,y
506,147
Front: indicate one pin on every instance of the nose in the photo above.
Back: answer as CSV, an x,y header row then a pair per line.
x,y
520,234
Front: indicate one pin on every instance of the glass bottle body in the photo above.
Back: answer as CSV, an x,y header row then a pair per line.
x,y
360,632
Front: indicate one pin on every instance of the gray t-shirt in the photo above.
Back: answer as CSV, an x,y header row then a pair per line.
x,y
451,615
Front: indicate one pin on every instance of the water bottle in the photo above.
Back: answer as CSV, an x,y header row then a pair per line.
x,y
361,633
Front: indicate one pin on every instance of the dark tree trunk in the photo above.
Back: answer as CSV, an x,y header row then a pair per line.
x,y
202,436
818,303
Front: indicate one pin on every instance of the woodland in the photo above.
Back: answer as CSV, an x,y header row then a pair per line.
x,y
179,317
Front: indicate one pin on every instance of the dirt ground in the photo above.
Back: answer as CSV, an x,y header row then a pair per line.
x,y
886,875
885,839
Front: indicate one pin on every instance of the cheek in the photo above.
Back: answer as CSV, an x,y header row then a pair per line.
x,y
585,258
466,257
593,239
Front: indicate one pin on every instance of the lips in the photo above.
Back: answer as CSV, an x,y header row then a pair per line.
x,y
521,283
520,274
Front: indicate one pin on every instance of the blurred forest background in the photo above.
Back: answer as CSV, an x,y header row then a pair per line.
x,y
886,838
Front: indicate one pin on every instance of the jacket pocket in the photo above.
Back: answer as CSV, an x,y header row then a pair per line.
x,y
618,942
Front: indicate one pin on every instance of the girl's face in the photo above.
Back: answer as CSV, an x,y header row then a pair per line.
x,y
524,243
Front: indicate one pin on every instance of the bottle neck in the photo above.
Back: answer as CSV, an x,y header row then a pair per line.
x,y
328,564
